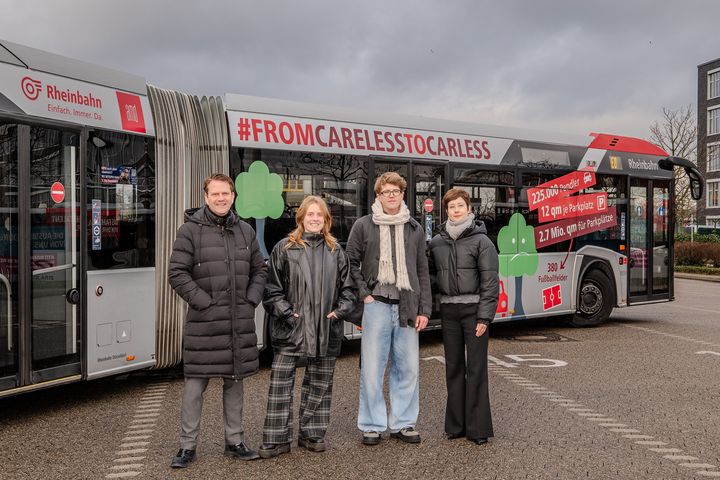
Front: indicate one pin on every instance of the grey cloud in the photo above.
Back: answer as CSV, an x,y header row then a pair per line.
x,y
565,64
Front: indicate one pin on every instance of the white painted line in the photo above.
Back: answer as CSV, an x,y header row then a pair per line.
x,y
146,415
665,450
439,358
644,437
131,452
134,444
616,425
648,442
129,459
589,414
680,458
558,399
139,437
708,474
707,352
122,475
128,465
135,432
581,409
624,430
151,402
502,363
601,419
697,465
572,404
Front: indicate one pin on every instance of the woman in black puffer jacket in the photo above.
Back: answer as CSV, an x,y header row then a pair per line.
x,y
308,296
465,262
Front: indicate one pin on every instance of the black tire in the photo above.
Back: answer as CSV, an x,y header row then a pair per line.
x,y
596,300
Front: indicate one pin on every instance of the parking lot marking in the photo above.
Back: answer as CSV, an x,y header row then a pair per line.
x,y
697,465
665,334
706,352
141,427
122,475
680,458
128,459
674,454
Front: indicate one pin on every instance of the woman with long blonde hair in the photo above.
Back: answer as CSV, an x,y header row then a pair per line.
x,y
308,295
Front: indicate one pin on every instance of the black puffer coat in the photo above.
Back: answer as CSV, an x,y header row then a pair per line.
x,y
309,281
219,271
467,265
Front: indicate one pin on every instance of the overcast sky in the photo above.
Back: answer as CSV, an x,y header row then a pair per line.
x,y
569,65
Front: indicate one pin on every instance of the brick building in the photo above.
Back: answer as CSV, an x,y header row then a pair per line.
x,y
708,147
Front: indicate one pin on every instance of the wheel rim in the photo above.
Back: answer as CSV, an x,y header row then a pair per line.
x,y
591,299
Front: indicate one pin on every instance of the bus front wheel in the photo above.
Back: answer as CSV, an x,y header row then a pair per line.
x,y
595,300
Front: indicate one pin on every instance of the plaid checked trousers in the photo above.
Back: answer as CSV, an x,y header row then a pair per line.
x,y
315,396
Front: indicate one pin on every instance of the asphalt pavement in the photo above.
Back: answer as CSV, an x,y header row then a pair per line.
x,y
636,398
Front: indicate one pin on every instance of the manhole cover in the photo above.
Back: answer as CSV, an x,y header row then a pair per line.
x,y
539,337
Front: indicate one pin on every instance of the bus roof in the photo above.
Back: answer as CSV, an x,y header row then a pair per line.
x,y
42,61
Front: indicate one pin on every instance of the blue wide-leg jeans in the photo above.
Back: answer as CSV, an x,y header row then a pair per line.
x,y
384,339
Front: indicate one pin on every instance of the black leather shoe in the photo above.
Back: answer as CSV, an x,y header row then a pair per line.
x,y
270,450
183,458
241,451
407,435
371,438
479,441
314,444
453,436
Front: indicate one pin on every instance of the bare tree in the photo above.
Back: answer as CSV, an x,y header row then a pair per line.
x,y
676,133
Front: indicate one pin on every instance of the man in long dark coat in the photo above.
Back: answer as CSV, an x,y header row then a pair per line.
x,y
217,268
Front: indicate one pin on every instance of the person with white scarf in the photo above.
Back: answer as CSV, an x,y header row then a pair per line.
x,y
388,263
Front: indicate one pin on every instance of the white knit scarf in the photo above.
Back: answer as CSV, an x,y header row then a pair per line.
x,y
386,275
454,229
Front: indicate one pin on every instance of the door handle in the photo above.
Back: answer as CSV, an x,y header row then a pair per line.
x,y
72,296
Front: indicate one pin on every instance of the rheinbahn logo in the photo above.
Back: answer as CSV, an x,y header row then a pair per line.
x,y
31,88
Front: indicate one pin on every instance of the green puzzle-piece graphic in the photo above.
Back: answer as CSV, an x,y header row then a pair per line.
x,y
517,239
259,193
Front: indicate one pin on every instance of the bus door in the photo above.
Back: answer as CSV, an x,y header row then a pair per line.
x,y
425,189
40,337
649,239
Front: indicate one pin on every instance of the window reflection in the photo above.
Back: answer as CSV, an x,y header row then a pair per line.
x,y
121,200
341,180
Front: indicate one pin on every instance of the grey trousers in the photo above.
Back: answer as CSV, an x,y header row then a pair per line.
x,y
192,402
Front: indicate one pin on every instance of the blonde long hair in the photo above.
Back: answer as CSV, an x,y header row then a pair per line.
x,y
295,237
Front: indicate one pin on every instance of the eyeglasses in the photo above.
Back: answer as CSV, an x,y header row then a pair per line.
x,y
391,193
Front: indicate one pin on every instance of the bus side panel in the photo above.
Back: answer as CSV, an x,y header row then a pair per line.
x,y
120,321
547,291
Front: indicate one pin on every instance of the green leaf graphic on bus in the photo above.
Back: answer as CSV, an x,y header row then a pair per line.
x,y
517,239
259,195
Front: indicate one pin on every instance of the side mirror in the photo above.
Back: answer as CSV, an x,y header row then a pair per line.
x,y
696,183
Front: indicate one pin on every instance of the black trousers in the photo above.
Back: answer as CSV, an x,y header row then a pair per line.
x,y
468,402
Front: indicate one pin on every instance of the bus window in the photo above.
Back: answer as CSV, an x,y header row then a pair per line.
x,y
8,250
492,196
341,180
121,199
610,238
